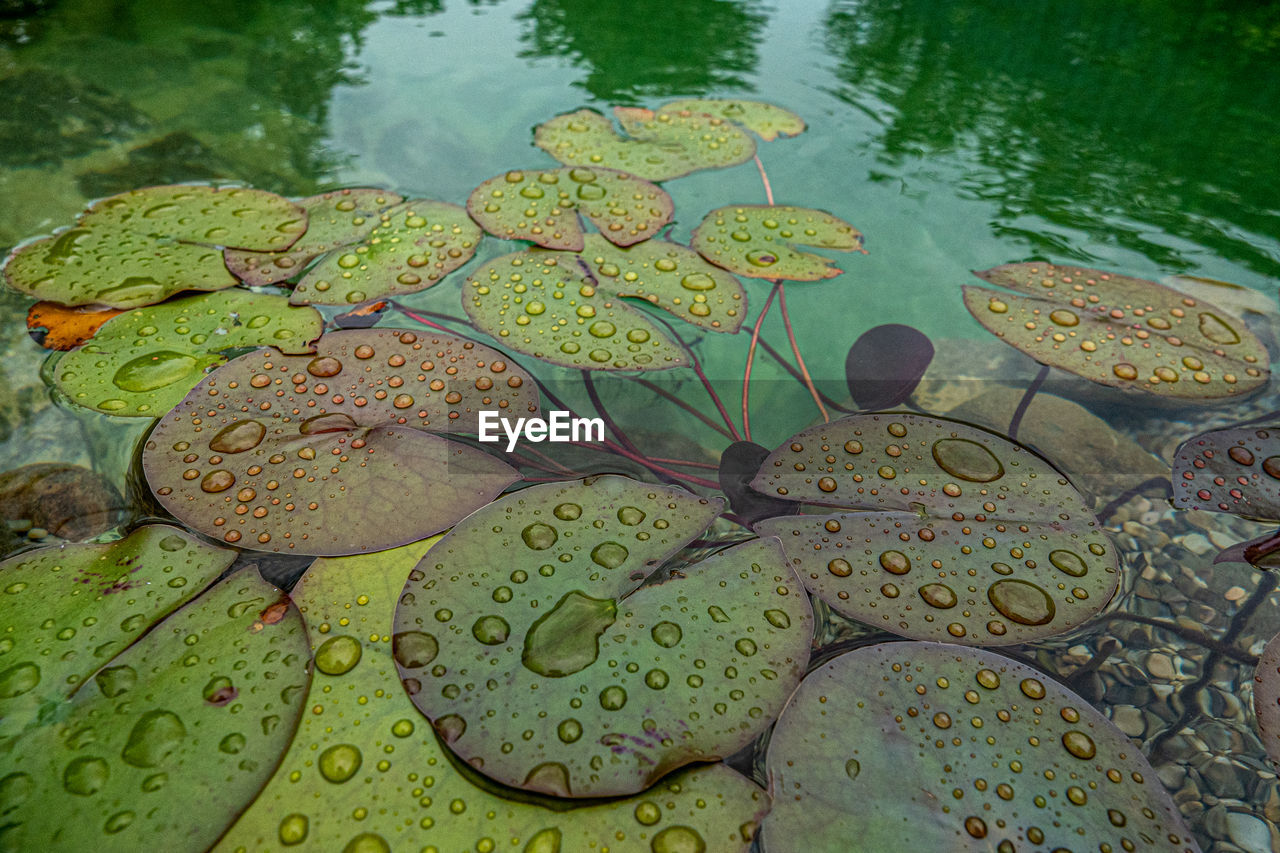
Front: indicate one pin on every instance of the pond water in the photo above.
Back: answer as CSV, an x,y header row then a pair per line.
x,y
956,135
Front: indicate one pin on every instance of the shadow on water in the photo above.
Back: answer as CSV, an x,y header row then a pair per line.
x,y
689,48
1106,119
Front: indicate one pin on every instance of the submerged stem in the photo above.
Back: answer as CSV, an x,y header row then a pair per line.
x,y
1026,401
751,355
795,349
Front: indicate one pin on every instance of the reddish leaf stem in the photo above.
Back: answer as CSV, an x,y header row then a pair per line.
x,y
795,349
751,355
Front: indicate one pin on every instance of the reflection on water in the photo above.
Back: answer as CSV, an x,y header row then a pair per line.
x,y
1085,114
688,48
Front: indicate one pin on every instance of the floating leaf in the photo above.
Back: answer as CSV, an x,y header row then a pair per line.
x,y
536,602
885,364
739,464
142,363
1230,470
1235,298
545,305
154,723
662,145
671,277
414,246
58,327
334,219
1266,697
950,532
334,453
141,247
1120,331
542,206
758,241
366,772
765,120
936,747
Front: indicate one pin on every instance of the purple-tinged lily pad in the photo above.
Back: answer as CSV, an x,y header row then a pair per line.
x,y
938,530
334,219
554,667
158,718
542,206
366,772
767,121
739,464
1266,697
758,241
141,247
336,452
671,277
143,362
658,145
885,364
413,247
546,305
1116,330
928,746
1233,470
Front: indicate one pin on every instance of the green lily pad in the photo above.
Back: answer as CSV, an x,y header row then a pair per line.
x,y
1116,330
143,362
542,206
764,120
1230,470
938,530
545,305
671,277
758,241
555,670
334,219
658,146
152,724
366,772
336,452
413,247
141,247
927,746
1266,697
120,587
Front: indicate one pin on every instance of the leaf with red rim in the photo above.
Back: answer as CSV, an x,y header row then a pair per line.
x,y
542,206
336,452
1235,470
1121,331
938,530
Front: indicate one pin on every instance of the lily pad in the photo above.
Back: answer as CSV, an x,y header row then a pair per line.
x,y
658,146
542,206
156,720
1230,470
142,363
938,530
58,327
334,219
552,667
885,364
1266,697
413,247
937,747
758,241
366,772
335,452
671,277
545,305
1125,332
141,247
764,120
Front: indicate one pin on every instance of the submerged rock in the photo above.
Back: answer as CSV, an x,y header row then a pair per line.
x,y
65,500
